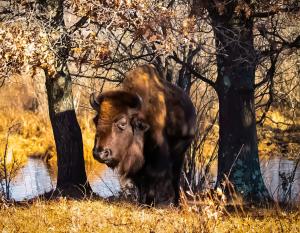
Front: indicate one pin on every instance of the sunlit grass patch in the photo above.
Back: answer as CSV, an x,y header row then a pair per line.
x,y
97,216
279,135
261,220
31,137
102,216
34,137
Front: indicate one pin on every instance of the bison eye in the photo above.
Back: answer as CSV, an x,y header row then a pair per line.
x,y
122,123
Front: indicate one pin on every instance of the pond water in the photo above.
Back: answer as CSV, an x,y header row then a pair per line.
x,y
282,179
37,178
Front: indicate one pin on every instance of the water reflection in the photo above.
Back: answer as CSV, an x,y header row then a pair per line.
x,y
281,179
32,180
36,178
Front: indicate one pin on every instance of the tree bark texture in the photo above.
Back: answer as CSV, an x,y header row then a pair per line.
x,y
72,179
238,160
67,135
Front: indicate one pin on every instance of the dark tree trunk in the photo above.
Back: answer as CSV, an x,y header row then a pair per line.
x,y
72,179
184,79
184,82
238,160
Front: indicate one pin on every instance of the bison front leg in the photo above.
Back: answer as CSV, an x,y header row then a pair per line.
x,y
146,192
157,191
178,153
177,166
156,188
154,180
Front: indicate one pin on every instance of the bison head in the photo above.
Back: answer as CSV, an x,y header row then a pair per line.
x,y
120,128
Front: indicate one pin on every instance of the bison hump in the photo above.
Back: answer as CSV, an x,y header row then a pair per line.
x,y
166,107
145,81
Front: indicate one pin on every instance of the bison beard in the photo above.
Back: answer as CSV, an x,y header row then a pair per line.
x,y
144,131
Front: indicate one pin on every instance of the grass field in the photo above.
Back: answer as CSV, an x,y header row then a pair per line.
x,y
101,216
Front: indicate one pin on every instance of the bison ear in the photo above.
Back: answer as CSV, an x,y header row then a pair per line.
x,y
95,101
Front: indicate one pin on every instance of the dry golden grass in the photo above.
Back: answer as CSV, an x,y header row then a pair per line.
x,y
265,221
101,216
32,135
30,138
279,136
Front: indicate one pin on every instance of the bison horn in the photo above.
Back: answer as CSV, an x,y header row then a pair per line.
x,y
129,99
139,101
95,101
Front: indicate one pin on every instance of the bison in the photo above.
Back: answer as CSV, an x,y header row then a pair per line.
x,y
144,130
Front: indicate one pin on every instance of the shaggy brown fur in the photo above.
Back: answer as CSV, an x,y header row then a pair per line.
x,y
170,115
160,96
128,146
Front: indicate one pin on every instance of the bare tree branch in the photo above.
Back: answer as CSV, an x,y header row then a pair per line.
x,y
265,14
192,70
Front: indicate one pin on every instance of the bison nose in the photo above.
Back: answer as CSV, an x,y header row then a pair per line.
x,y
103,154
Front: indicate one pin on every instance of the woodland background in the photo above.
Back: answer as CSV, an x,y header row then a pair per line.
x,y
238,60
